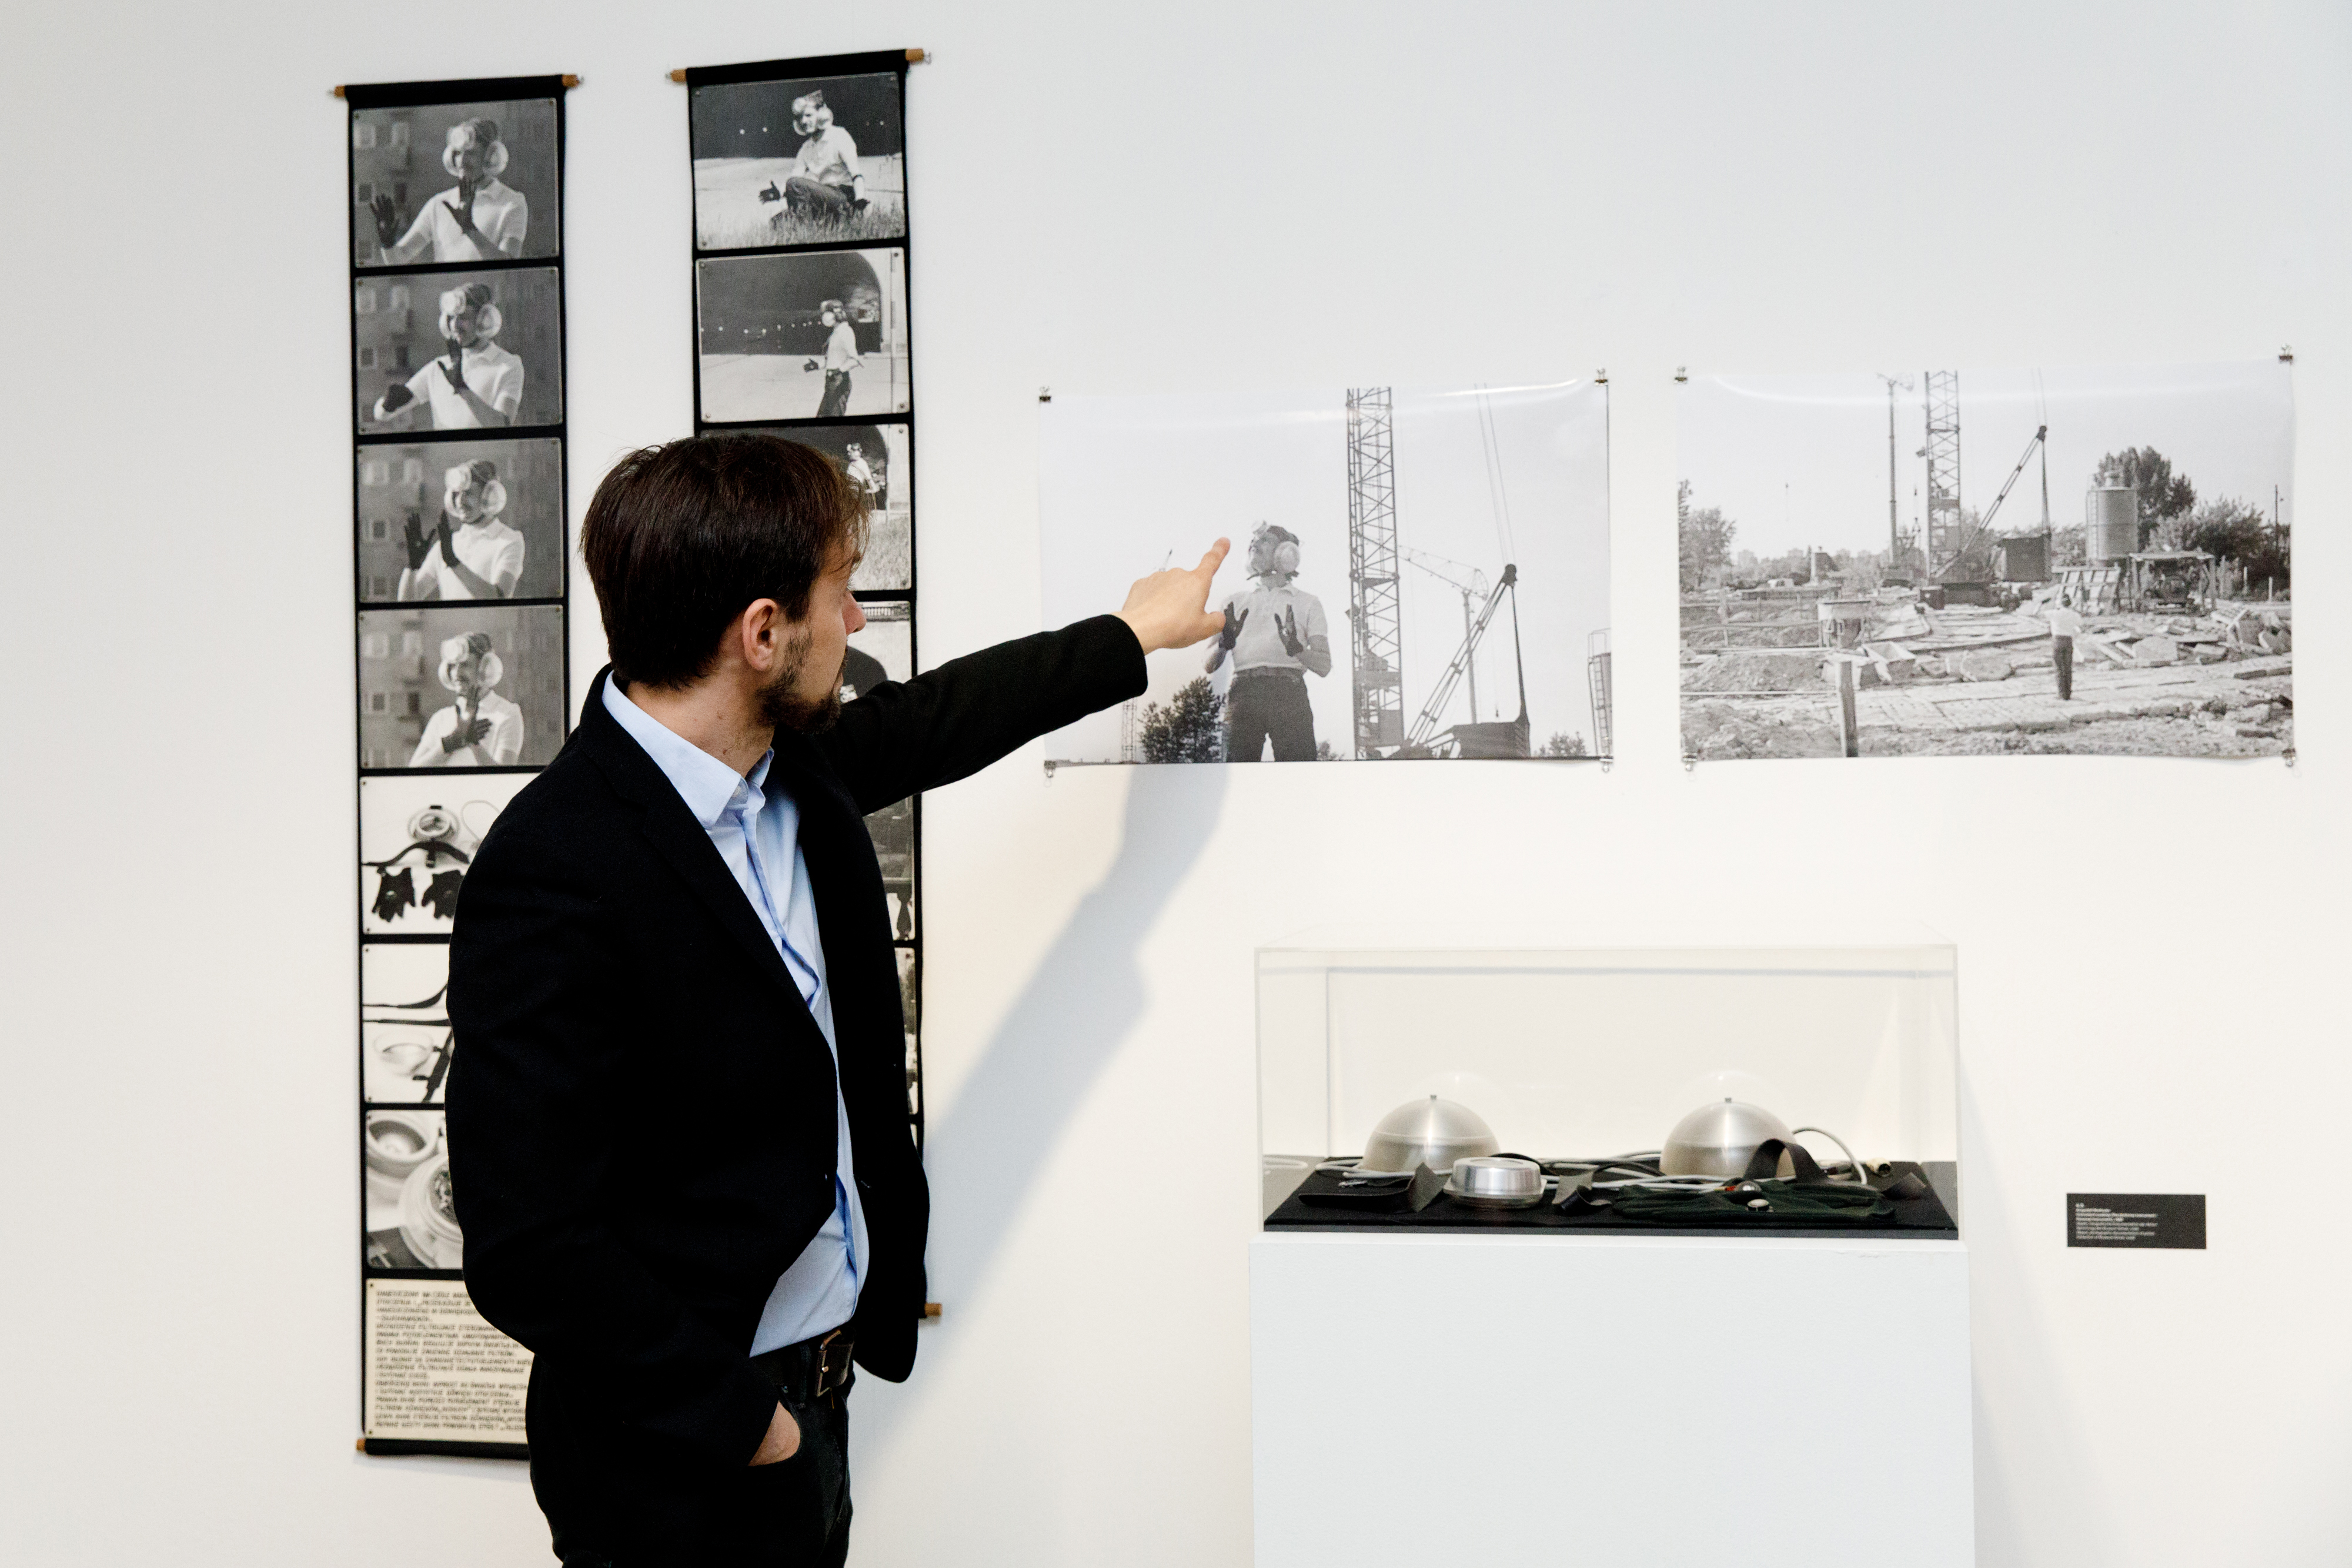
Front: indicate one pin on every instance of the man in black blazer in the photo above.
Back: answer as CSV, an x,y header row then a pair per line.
x,y
673,996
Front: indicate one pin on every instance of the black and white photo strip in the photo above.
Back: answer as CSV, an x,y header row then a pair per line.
x,y
461,686
409,1220
458,575
805,162
418,838
878,460
405,1039
459,351
801,165
458,520
817,334
453,182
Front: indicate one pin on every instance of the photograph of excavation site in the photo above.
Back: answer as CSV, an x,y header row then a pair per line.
x,y
1980,562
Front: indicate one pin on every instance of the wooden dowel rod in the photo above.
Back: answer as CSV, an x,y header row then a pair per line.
x,y
569,80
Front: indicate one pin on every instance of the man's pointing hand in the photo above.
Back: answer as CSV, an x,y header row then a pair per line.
x,y
1171,608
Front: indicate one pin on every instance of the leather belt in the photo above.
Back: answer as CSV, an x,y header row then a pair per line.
x,y
815,1369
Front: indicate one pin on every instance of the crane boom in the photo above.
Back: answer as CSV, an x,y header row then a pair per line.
x,y
2010,483
1967,541
1424,726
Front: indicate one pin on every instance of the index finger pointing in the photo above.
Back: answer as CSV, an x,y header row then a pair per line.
x,y
1214,559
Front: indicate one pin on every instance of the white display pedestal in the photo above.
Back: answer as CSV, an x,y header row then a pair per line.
x,y
1604,1400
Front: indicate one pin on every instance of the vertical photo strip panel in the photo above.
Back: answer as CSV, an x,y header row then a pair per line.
x,y
801,331
459,555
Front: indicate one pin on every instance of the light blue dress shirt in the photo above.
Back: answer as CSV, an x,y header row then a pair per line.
x,y
758,835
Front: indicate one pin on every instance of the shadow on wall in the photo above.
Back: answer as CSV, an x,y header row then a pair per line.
x,y
1076,1010
2003,1309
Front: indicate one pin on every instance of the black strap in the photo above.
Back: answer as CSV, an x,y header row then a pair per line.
x,y
1765,1163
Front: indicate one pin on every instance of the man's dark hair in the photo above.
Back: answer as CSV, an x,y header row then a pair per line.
x,y
680,538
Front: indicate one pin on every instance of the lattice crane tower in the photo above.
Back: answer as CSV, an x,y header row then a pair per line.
x,y
1945,541
1375,617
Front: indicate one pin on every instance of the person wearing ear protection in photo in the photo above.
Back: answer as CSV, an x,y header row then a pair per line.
x,y
1277,635
825,181
480,220
861,472
469,553
841,357
481,728
475,384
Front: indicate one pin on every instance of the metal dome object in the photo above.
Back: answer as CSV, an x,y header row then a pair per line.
x,y
1432,1132
1719,1139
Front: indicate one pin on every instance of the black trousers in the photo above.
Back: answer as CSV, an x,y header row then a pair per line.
x,y
1264,704
616,1497
835,400
2062,653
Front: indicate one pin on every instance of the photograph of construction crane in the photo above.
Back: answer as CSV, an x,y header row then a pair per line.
x,y
1949,562
1415,575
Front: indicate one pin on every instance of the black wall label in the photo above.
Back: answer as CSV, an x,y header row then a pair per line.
x,y
2135,1220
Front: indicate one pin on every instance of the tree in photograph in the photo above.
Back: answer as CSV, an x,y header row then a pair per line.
x,y
1189,728
1706,535
2163,495
1564,744
2231,530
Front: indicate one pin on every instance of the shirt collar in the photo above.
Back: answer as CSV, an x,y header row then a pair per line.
x,y
707,785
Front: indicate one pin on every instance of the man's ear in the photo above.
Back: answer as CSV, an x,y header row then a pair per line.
x,y
759,633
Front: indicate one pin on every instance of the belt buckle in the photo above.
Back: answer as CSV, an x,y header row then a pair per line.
x,y
833,1359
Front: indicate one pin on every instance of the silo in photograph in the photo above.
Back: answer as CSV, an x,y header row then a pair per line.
x,y
2113,528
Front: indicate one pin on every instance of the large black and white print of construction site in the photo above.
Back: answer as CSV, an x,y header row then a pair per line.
x,y
1415,575
1978,562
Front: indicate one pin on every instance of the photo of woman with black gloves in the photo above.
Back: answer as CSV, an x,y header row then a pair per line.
x,y
492,198
501,504
460,350
468,553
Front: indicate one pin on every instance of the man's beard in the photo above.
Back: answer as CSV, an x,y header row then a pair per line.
x,y
782,708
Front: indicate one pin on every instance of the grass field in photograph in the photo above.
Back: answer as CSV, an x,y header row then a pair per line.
x,y
730,216
890,559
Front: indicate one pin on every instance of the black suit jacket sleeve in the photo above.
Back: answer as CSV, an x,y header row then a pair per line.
x,y
951,721
541,1061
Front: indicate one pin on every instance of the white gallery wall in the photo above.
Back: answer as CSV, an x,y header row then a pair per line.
x,y
1126,199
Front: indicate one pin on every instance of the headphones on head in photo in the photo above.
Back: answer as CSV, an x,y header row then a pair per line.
x,y
483,472
478,298
476,132
472,645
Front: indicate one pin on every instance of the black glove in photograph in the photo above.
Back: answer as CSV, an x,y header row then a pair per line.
x,y
449,540
387,221
397,396
394,892
1232,631
418,543
1286,625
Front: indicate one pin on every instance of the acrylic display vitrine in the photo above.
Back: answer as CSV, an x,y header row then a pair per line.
x,y
1582,1052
